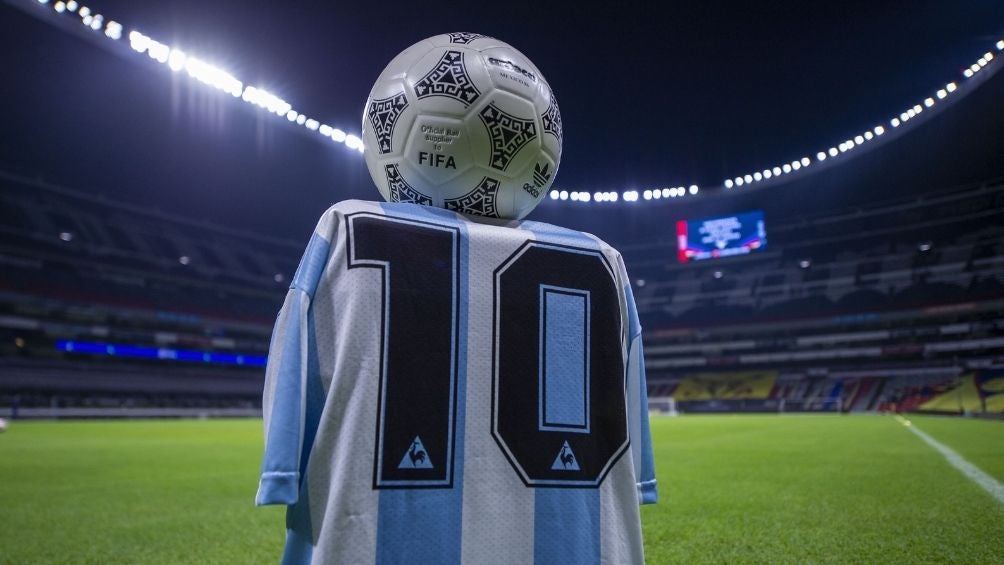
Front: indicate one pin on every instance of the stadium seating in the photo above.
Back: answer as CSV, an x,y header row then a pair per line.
x,y
866,309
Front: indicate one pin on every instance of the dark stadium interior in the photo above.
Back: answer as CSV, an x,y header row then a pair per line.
x,y
146,247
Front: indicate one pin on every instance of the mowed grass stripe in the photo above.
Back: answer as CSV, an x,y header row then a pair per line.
x,y
798,489
733,489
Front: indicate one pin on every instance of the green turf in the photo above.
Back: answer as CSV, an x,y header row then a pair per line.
x,y
802,489
764,489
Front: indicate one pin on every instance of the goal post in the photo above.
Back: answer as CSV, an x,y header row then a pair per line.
x,y
662,405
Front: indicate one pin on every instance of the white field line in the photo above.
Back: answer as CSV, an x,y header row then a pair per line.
x,y
985,481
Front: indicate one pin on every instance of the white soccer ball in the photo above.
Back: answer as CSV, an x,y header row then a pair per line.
x,y
3,425
464,122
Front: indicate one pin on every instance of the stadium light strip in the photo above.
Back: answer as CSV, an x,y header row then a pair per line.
x,y
778,171
178,60
160,353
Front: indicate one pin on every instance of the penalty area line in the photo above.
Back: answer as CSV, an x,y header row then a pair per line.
x,y
972,472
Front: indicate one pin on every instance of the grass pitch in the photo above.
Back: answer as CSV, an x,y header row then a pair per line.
x,y
753,489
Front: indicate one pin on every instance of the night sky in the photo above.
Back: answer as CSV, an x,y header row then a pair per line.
x,y
685,93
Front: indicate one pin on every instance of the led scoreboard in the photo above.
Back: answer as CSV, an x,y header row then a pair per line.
x,y
720,237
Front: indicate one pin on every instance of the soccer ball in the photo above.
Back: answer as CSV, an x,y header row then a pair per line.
x,y
3,425
464,122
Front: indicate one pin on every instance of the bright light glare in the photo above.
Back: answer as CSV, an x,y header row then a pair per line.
x,y
693,189
72,5
833,151
176,60
60,7
941,94
554,195
928,102
113,30
821,156
353,142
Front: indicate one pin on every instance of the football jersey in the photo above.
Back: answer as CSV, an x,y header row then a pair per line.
x,y
448,389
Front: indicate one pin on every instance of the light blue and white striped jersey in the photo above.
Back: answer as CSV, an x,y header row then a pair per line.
x,y
451,389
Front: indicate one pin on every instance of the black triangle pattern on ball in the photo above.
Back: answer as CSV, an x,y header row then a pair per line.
x,y
551,118
508,133
400,190
463,37
383,114
480,201
449,78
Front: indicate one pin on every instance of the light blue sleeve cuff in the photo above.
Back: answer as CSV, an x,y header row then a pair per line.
x,y
648,493
278,488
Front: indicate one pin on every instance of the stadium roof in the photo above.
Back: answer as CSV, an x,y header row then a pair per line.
x,y
650,97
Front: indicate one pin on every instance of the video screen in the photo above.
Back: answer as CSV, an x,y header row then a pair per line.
x,y
726,236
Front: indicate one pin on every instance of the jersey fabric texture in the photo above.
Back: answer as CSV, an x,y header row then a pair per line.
x,y
448,389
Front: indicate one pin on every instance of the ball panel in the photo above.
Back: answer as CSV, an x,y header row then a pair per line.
x,y
401,188
550,119
505,132
448,80
400,64
439,147
533,183
483,198
510,71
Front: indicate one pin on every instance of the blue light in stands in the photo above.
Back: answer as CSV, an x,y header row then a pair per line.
x,y
162,353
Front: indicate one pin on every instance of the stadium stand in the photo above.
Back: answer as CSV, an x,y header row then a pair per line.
x,y
105,307
849,307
